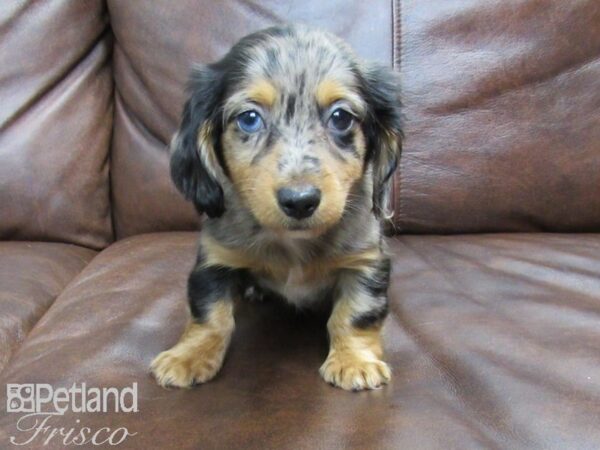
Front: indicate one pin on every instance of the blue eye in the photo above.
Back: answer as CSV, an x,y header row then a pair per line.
x,y
249,121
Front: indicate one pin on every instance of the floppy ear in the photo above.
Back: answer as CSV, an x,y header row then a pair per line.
x,y
383,130
194,161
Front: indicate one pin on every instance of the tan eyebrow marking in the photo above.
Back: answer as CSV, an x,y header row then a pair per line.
x,y
262,92
329,91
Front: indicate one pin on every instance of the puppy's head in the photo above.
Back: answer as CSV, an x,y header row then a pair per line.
x,y
293,120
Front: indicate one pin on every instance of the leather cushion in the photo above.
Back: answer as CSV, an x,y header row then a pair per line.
x,y
491,339
502,106
156,45
32,274
55,121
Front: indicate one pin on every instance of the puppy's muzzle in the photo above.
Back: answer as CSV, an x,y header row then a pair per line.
x,y
299,202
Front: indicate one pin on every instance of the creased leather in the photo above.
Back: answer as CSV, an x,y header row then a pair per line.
x,y
32,275
492,340
55,122
502,111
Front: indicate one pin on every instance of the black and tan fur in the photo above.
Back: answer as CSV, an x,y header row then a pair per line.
x,y
294,77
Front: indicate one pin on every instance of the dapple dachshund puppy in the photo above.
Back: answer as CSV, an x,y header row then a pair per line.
x,y
288,144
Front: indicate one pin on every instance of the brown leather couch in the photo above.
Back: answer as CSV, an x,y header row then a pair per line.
x,y
494,330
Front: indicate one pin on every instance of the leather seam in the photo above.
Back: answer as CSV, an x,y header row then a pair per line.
x,y
396,65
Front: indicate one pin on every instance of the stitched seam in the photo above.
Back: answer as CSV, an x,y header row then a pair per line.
x,y
396,64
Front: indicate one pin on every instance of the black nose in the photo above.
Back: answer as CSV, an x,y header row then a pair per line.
x,y
300,202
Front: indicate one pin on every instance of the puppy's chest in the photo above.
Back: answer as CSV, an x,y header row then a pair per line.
x,y
300,285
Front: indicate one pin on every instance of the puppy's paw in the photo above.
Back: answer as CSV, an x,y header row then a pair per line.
x,y
173,368
352,373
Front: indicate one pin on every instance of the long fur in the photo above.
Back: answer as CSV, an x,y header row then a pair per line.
x,y
294,77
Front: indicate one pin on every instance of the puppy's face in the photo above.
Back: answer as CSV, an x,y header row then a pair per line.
x,y
292,140
294,120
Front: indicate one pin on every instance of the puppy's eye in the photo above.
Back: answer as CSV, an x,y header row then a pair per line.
x,y
250,121
340,120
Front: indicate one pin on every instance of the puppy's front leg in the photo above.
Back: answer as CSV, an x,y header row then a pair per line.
x,y
199,354
355,352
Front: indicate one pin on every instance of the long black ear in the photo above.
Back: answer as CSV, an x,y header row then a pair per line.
x,y
383,130
194,164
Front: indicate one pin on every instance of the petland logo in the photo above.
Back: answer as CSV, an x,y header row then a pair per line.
x,y
41,402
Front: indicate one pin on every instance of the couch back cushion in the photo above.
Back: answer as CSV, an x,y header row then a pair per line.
x,y
156,44
502,105
55,121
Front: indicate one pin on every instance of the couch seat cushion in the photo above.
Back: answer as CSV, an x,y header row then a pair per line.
x,y
493,341
32,274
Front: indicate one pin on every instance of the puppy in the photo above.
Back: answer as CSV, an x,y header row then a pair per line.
x,y
288,144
